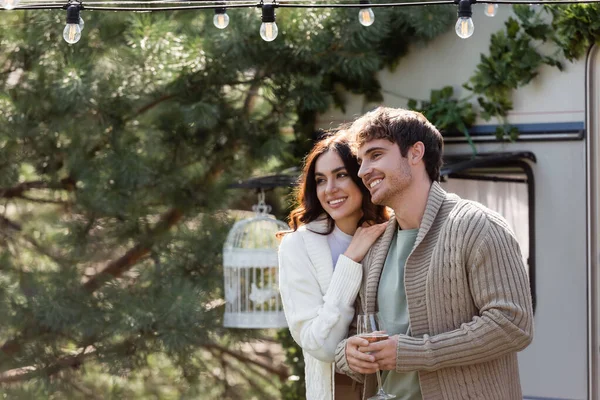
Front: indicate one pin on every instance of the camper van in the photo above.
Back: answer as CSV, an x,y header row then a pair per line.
x,y
546,183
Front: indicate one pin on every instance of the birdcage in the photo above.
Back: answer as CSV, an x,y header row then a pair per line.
x,y
252,273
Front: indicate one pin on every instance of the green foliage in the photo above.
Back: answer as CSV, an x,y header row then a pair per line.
x,y
515,57
411,25
116,153
512,62
576,28
293,389
447,113
507,132
115,157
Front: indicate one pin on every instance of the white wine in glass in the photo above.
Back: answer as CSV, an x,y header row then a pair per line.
x,y
369,328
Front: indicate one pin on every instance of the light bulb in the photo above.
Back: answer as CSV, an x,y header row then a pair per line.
x,y
10,4
268,31
491,9
268,28
72,33
464,27
221,20
366,17
81,23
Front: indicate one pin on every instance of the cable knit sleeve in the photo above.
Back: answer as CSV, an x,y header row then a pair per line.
x,y
500,290
317,322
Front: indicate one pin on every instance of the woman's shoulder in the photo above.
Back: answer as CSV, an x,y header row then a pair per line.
x,y
297,238
293,238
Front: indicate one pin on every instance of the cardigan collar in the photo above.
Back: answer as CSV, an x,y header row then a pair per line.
x,y
378,252
318,250
436,197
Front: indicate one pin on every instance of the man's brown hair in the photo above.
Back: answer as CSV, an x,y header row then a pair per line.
x,y
405,128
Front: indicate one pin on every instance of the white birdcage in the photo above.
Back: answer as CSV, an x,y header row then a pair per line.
x,y
252,272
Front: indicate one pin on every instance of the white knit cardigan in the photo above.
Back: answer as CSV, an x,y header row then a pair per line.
x,y
318,302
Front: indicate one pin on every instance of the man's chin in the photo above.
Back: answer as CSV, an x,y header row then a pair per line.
x,y
378,200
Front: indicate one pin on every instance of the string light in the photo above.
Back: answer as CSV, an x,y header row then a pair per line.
x,y
221,19
464,25
268,28
366,17
490,9
72,32
268,31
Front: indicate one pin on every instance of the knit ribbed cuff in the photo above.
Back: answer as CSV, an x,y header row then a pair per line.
x,y
413,346
341,363
345,282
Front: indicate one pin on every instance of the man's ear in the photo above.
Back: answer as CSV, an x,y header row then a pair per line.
x,y
416,153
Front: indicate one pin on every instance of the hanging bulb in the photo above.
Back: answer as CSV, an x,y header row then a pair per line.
x,y
72,32
221,19
366,17
464,26
10,4
490,9
268,29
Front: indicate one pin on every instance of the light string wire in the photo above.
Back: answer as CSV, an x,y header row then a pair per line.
x,y
105,5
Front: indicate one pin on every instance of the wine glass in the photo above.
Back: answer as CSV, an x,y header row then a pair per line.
x,y
369,328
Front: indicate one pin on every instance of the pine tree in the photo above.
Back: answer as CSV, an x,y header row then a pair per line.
x,y
115,157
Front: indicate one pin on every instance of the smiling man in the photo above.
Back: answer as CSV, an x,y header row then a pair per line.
x,y
447,276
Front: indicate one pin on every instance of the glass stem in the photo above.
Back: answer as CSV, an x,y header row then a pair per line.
x,y
378,373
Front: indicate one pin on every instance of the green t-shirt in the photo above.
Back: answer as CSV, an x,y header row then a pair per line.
x,y
393,311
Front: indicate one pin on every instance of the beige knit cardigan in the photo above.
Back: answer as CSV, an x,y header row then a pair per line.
x,y
468,298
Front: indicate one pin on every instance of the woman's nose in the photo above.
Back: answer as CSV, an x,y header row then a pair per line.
x,y
331,187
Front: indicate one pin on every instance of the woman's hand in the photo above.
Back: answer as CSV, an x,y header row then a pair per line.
x,y
363,239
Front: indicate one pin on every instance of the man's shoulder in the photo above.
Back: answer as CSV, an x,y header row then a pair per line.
x,y
470,211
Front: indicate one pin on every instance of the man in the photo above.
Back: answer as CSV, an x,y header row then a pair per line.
x,y
446,277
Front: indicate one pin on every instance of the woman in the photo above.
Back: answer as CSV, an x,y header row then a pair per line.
x,y
333,226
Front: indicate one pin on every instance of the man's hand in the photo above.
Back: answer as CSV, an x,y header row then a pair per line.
x,y
357,360
384,353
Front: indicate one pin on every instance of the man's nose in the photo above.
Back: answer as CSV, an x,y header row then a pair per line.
x,y
363,170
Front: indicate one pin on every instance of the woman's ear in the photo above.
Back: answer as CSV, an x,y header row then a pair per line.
x,y
416,153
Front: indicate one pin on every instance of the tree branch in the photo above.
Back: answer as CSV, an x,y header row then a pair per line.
x,y
42,201
112,270
42,250
123,264
253,91
10,224
22,187
243,373
17,191
153,104
26,373
117,267
282,374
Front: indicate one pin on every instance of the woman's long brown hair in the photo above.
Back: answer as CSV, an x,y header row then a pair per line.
x,y
309,207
